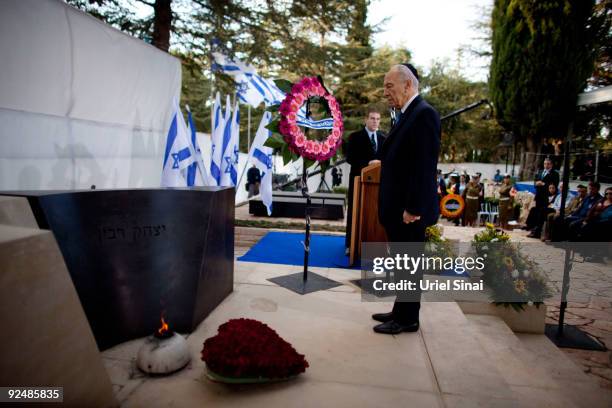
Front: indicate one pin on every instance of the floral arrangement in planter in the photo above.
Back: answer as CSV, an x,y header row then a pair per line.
x,y
437,246
514,279
249,351
312,144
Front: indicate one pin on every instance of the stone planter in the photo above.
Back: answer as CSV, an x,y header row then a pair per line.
x,y
530,320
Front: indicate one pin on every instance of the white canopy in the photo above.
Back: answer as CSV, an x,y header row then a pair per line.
x,y
81,103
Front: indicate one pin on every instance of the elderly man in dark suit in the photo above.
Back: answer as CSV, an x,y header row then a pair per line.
x,y
408,200
363,146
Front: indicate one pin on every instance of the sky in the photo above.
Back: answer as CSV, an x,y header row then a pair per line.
x,y
431,30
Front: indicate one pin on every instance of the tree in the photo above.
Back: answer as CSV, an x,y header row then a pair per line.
x,y
446,90
543,53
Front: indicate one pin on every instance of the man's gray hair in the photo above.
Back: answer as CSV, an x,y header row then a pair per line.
x,y
406,75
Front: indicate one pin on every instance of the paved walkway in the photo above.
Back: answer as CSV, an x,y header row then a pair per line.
x,y
589,298
453,361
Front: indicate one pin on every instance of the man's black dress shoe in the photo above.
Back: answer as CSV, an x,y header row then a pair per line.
x,y
533,234
383,317
392,327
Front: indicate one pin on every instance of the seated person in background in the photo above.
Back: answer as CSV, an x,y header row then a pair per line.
x,y
557,229
556,206
542,213
596,227
581,212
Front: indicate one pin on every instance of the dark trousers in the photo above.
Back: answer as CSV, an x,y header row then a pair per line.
x,y
349,212
407,304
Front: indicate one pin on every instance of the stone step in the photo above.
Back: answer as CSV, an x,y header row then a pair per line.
x,y
464,372
574,384
532,383
246,239
250,231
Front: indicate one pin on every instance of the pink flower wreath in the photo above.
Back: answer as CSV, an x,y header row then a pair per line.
x,y
293,135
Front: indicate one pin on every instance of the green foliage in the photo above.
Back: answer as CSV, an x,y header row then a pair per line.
x,y
447,90
491,234
284,85
437,246
361,83
543,53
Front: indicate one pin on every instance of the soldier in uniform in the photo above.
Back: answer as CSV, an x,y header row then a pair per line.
x,y
471,195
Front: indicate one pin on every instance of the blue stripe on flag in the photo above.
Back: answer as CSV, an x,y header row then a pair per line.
x,y
217,114
258,88
171,138
215,171
262,157
233,175
316,124
184,154
221,67
227,134
191,170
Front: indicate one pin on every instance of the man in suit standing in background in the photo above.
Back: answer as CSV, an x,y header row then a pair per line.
x,y
408,196
362,147
542,180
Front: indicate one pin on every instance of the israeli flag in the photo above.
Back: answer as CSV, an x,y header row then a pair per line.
x,y
229,176
179,153
218,127
253,89
261,156
197,174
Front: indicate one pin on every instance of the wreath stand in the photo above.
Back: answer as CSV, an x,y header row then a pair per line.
x,y
303,282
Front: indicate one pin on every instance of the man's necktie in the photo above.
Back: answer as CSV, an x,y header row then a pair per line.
x,y
373,140
398,119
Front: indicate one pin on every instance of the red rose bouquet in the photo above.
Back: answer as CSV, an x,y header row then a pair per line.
x,y
248,349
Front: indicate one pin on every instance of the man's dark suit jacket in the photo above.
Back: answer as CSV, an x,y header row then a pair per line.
x,y
408,180
358,152
541,197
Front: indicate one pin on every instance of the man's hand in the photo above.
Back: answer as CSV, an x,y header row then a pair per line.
x,y
539,183
373,162
409,218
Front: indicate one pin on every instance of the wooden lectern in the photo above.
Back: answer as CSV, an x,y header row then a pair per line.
x,y
366,227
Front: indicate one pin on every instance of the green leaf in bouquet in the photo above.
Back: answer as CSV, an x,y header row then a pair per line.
x,y
274,126
275,141
283,85
273,108
286,155
308,163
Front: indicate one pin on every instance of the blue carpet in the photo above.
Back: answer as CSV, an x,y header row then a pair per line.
x,y
326,251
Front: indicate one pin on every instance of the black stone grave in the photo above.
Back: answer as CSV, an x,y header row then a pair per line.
x,y
135,254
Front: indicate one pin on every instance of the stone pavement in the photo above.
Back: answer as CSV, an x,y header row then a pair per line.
x,y
455,360
589,298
